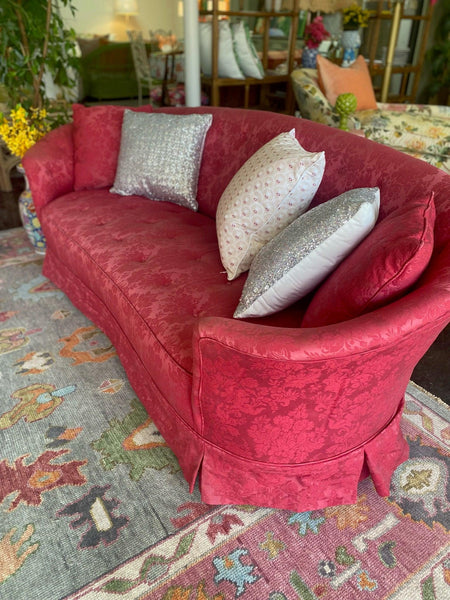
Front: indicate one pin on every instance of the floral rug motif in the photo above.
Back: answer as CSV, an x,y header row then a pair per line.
x,y
93,505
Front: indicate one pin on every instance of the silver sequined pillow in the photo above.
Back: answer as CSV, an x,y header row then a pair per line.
x,y
160,156
306,251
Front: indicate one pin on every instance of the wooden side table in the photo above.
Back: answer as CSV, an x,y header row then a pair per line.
x,y
169,72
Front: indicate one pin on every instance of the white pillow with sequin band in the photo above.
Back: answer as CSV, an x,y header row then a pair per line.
x,y
160,156
269,191
303,254
247,57
227,64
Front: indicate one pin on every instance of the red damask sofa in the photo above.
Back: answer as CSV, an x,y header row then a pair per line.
x,y
261,411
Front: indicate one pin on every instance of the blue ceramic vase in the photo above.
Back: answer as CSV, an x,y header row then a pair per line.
x,y
351,42
309,56
28,217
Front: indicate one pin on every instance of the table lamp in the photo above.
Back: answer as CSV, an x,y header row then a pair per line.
x,y
127,8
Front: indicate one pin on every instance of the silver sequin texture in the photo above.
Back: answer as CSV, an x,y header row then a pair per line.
x,y
298,240
160,156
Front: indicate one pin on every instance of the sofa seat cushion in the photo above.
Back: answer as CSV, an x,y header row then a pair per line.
x,y
413,129
156,266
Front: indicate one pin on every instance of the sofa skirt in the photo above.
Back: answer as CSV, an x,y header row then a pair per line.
x,y
228,479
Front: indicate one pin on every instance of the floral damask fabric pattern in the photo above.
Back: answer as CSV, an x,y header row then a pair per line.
x,y
283,407
97,133
86,479
422,131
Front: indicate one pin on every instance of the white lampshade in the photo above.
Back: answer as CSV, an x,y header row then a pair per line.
x,y
126,7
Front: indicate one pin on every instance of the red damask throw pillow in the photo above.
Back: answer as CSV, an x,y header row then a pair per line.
x,y
381,269
96,134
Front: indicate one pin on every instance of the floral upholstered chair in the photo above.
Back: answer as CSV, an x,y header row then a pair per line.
x,y
422,131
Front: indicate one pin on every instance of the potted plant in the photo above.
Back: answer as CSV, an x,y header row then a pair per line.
x,y
354,17
438,59
315,34
20,130
33,42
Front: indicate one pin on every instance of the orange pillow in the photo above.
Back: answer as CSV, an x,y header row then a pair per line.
x,y
335,80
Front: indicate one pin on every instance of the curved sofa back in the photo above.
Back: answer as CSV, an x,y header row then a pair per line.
x,y
351,162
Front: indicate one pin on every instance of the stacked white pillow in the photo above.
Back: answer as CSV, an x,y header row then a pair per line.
x,y
227,62
263,224
237,55
247,57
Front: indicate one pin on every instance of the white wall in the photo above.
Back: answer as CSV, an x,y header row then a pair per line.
x,y
98,16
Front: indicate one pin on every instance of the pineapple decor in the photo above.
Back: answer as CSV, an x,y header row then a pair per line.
x,y
345,106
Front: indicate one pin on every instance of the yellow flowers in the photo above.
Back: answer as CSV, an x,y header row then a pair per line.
x,y
22,128
354,17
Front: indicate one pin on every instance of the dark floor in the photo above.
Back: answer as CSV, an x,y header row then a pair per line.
x,y
9,214
432,373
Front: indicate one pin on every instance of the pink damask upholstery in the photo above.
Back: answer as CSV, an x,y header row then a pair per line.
x,y
263,411
96,136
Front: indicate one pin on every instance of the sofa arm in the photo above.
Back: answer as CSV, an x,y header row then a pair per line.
x,y
410,130
49,166
312,102
427,110
288,396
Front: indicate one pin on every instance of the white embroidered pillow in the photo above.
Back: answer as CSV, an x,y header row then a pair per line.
x,y
269,191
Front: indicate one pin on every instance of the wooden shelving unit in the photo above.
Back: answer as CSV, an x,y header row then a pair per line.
x,y
410,72
274,90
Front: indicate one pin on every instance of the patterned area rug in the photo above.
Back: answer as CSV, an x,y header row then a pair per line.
x,y
94,507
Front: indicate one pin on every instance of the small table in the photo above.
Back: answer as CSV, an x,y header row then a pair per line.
x,y
169,72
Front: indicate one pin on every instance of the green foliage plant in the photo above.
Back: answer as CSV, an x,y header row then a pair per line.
x,y
438,57
33,39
